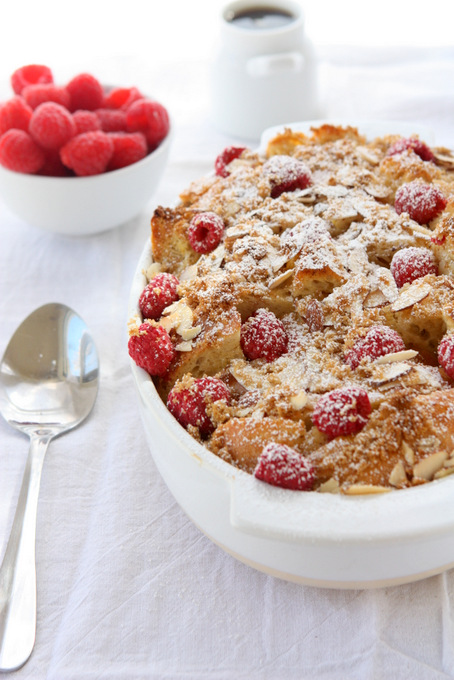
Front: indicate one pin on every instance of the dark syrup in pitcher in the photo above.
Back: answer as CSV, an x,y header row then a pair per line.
x,y
261,18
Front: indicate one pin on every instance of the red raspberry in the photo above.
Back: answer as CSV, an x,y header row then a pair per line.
x,y
263,336
112,120
225,158
86,121
280,465
53,167
122,97
35,95
421,149
446,355
51,125
378,341
151,348
129,147
189,404
19,152
205,232
412,263
15,113
149,117
342,412
158,294
423,202
88,153
286,174
86,92
30,75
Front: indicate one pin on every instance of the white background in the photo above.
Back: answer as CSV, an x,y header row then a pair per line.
x,y
58,33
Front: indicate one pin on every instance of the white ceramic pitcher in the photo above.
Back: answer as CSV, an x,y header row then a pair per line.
x,y
264,73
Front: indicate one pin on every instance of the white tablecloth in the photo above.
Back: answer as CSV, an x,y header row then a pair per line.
x,y
128,588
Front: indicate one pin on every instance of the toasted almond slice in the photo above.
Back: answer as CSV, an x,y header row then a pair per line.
x,y
232,233
330,486
153,269
279,261
404,355
416,292
444,158
215,258
189,273
377,190
427,467
167,322
358,489
398,475
185,346
408,452
420,229
375,299
190,333
298,401
384,373
368,155
281,278
444,472
331,191
307,199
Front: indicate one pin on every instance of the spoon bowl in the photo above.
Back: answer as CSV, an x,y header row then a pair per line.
x,y
48,385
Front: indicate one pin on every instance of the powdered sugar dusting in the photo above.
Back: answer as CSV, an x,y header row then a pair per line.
x,y
314,262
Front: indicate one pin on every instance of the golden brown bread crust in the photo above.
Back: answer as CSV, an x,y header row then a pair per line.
x,y
319,258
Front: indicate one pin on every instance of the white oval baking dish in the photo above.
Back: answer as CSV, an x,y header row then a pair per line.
x,y
326,540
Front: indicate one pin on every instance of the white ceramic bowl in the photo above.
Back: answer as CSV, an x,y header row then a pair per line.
x,y
317,539
79,206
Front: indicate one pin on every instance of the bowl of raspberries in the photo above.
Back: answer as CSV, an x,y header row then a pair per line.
x,y
82,157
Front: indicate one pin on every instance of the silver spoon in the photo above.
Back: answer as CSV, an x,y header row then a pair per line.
x,y
48,385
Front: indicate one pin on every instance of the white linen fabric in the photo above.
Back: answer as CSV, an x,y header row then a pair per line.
x,y
128,587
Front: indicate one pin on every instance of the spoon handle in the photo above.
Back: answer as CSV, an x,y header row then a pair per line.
x,y
18,570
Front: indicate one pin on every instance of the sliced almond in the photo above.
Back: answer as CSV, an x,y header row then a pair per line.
x,y
358,489
190,333
427,467
279,261
444,158
185,346
298,401
419,229
307,199
153,269
444,472
189,273
375,299
330,486
281,278
398,475
331,190
384,373
167,322
368,155
416,292
377,190
178,315
391,358
408,452
233,233
215,258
